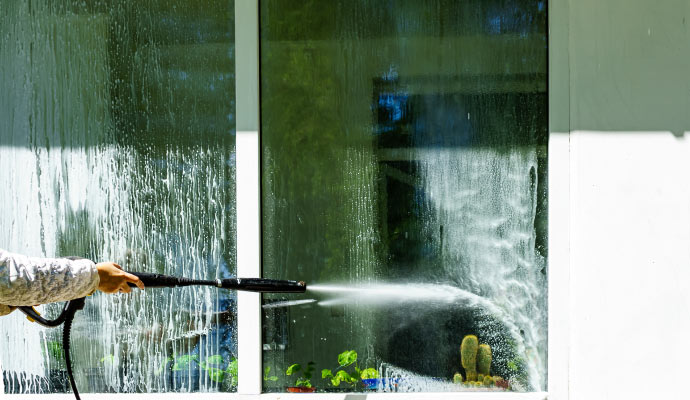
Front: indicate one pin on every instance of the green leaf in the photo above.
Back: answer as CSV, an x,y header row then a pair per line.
x,y
216,374
292,369
231,371
183,362
347,358
232,367
345,377
303,382
55,349
109,359
216,359
369,373
267,370
326,373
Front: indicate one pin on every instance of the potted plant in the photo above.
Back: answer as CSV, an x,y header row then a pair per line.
x,y
370,379
347,359
302,380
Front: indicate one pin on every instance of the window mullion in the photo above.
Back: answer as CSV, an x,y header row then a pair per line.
x,y
248,193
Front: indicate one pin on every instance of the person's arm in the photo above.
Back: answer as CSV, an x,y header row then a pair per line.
x,y
31,280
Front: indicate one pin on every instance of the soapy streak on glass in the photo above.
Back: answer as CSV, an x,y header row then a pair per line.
x,y
117,141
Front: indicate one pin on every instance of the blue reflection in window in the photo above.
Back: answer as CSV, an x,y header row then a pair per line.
x,y
391,110
494,25
512,18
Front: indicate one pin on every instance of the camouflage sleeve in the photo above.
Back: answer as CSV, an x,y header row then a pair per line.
x,y
28,281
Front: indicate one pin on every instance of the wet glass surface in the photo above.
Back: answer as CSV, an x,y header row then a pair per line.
x,y
117,122
404,156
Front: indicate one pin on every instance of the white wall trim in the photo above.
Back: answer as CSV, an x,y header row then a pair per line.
x,y
248,262
559,216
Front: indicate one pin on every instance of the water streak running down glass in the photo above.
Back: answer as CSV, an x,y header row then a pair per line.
x,y
117,143
404,179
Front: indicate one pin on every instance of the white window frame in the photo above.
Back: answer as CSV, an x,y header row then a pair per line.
x,y
249,217
249,229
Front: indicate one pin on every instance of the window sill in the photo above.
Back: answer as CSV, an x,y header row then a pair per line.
x,y
289,396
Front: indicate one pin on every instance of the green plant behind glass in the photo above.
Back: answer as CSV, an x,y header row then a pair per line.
x,y
346,359
213,365
55,354
268,378
305,379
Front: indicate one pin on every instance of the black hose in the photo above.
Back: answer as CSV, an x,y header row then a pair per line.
x,y
66,330
71,309
48,323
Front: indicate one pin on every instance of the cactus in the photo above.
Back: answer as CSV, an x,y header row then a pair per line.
x,y
488,381
457,378
484,359
468,356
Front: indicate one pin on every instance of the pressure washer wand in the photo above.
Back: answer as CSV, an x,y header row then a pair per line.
x,y
158,280
260,285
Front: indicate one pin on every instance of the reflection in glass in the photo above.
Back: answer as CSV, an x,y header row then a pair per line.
x,y
404,179
117,143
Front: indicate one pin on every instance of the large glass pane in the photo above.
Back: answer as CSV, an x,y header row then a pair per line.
x,y
117,143
404,179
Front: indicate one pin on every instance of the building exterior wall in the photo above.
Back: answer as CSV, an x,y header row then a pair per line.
x,y
628,121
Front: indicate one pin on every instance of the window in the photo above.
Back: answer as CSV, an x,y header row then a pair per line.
x,y
117,143
403,162
404,178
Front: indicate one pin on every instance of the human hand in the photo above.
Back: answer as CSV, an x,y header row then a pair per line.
x,y
113,279
4,310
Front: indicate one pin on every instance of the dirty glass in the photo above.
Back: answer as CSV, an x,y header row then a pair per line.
x,y
117,122
404,159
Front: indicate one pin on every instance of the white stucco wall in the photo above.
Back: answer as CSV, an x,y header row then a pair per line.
x,y
622,92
